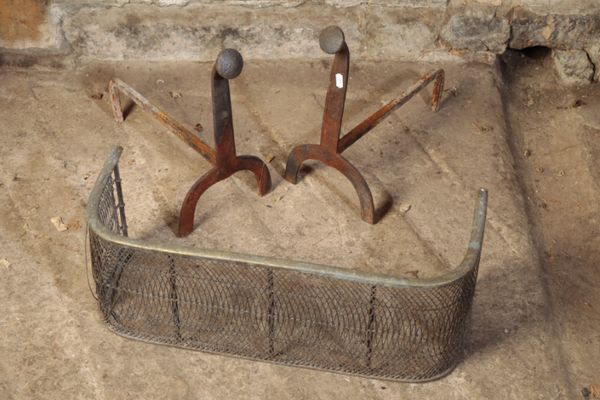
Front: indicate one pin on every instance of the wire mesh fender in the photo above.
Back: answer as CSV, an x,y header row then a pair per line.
x,y
274,310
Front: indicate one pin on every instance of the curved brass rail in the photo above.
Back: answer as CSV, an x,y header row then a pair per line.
x,y
282,311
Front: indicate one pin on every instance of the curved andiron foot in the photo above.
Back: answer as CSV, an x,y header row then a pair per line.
x,y
241,163
305,152
229,65
331,146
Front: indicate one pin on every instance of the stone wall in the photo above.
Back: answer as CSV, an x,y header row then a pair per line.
x,y
268,29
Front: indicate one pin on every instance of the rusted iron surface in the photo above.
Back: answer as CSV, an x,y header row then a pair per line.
x,y
228,66
331,146
372,121
318,152
336,93
116,88
225,161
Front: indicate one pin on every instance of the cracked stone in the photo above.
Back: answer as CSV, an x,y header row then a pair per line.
x,y
173,2
476,30
593,52
553,30
574,67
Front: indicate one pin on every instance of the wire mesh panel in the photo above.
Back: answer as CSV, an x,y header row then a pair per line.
x,y
273,310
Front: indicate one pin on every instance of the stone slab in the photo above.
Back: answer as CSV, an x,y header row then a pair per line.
x,y
55,344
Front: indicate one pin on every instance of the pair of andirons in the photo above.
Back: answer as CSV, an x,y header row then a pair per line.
x,y
329,151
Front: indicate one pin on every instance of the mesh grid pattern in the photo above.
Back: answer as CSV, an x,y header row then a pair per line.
x,y
274,314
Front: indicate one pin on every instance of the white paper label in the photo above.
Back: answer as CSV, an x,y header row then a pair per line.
x,y
339,80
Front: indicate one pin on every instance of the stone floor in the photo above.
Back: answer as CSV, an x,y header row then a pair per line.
x,y
508,127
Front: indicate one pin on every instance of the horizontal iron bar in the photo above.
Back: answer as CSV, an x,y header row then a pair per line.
x,y
117,86
372,121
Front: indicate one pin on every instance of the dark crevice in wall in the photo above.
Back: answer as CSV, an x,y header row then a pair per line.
x,y
535,52
591,62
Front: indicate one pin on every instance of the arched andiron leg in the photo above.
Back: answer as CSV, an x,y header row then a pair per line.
x,y
229,64
305,152
241,163
333,144
259,169
188,208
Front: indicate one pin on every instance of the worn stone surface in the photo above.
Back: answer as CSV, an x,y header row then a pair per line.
x,y
557,155
593,52
266,3
589,113
388,3
266,29
477,30
29,24
198,32
21,20
397,34
567,31
55,344
167,3
573,67
543,6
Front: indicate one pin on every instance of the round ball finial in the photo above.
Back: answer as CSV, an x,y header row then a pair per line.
x,y
229,63
331,39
